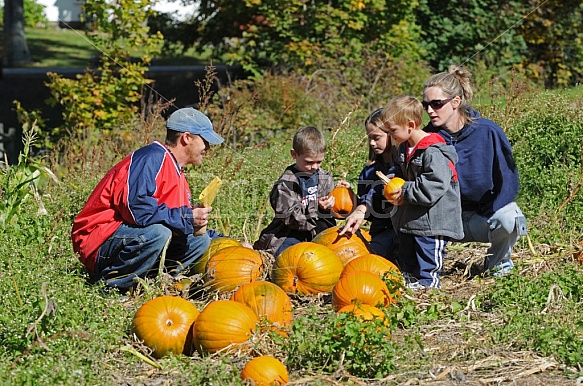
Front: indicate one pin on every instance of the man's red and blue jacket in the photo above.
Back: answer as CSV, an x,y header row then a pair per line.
x,y
147,187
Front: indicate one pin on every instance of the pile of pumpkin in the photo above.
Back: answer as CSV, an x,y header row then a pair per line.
x,y
340,265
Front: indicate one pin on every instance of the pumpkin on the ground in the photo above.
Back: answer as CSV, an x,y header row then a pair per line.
x,y
380,266
361,288
346,247
265,370
267,300
344,201
232,267
306,268
216,245
164,325
223,324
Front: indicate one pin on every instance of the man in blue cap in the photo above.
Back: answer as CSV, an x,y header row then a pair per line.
x,y
140,213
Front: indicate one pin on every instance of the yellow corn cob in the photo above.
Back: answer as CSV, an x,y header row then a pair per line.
x,y
208,194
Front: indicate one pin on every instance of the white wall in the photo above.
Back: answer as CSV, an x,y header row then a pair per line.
x,y
69,8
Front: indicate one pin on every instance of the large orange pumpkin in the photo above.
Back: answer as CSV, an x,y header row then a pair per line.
x,y
264,371
164,325
267,300
232,267
346,247
306,268
216,245
344,201
223,324
360,288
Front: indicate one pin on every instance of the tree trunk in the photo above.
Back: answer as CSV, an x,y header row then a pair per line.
x,y
16,51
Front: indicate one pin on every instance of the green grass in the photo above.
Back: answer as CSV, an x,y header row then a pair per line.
x,y
66,48
55,328
52,47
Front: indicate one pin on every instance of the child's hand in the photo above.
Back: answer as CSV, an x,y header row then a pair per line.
x,y
353,221
344,183
396,197
326,203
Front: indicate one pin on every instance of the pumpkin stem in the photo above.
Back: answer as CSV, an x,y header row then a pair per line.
x,y
382,176
169,322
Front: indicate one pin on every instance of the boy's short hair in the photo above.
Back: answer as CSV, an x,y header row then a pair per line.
x,y
309,140
402,109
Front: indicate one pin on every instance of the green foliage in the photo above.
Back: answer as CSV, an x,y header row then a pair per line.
x,y
108,98
546,136
34,14
328,342
462,32
553,32
540,313
540,40
21,181
300,35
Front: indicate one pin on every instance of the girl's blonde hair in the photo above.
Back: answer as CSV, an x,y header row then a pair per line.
x,y
456,81
375,119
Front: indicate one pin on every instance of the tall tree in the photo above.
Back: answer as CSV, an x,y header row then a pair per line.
x,y
15,44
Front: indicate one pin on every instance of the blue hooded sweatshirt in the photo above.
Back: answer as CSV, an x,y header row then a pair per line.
x,y
488,177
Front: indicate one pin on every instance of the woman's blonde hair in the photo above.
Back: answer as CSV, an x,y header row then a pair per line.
x,y
456,81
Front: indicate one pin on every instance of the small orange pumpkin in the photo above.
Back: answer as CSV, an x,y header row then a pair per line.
x,y
164,325
360,288
306,268
346,247
232,267
267,300
223,324
344,201
216,245
395,183
264,371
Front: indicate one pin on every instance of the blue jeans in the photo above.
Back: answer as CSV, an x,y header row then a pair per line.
x,y
134,251
502,230
288,242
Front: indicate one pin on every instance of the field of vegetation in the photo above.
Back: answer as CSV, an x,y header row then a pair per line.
x,y
523,329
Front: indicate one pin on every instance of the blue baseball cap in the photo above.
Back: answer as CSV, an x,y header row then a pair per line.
x,y
189,120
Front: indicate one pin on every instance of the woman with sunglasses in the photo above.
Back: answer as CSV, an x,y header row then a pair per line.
x,y
488,176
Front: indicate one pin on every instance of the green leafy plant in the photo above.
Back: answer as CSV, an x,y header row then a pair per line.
x,y
333,341
21,181
540,313
108,97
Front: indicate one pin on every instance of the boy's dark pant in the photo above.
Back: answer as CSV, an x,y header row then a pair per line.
x,y
422,257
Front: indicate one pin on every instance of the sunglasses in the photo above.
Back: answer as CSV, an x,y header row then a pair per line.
x,y
436,104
